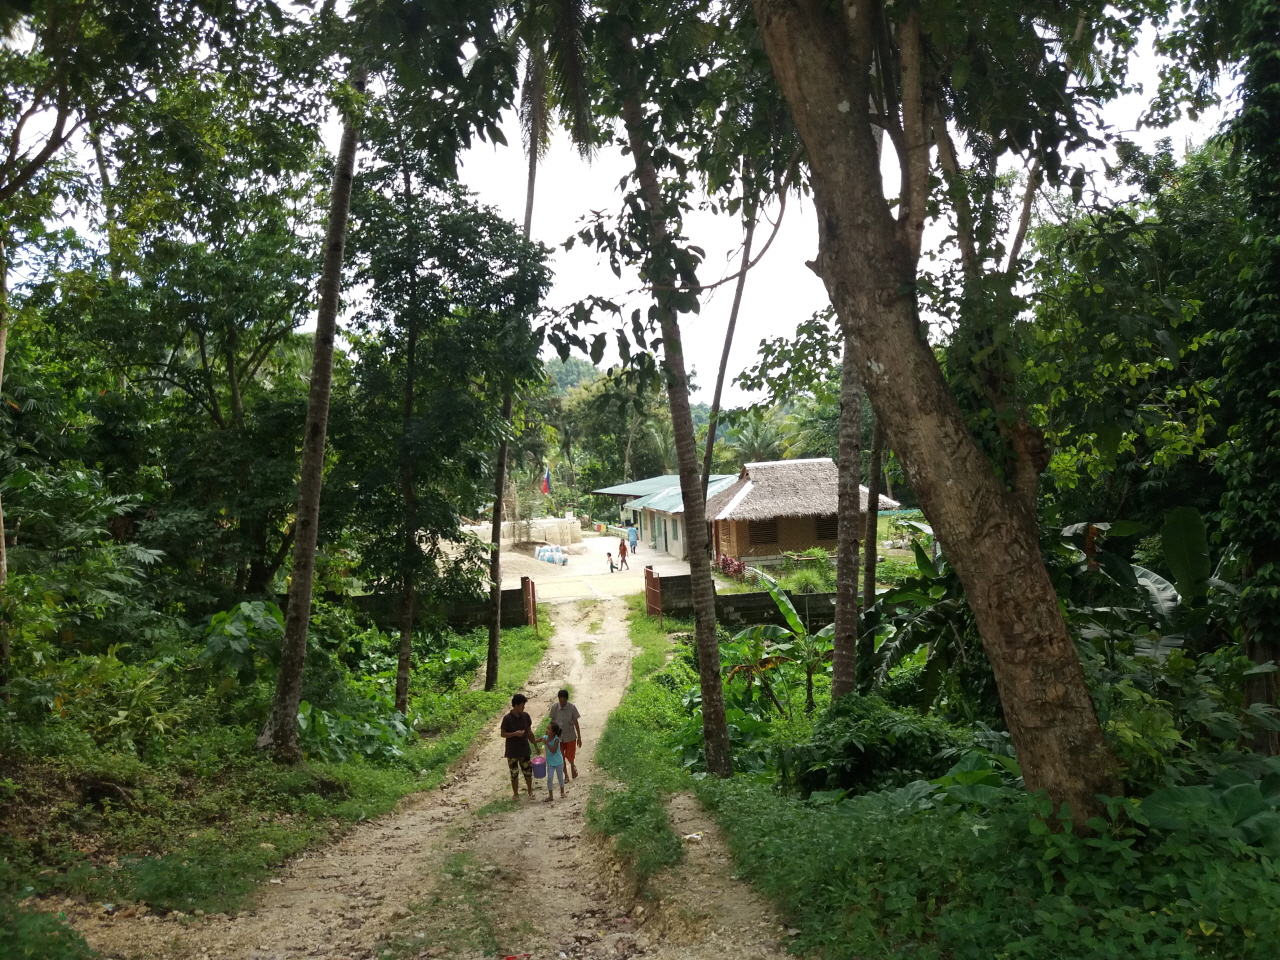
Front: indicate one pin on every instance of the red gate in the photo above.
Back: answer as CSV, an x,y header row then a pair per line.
x,y
653,594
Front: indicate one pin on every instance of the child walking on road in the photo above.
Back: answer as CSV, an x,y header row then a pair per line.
x,y
622,555
555,761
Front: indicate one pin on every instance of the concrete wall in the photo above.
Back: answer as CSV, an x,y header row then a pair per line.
x,y
384,610
739,610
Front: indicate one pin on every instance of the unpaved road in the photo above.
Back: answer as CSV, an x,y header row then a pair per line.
x,y
464,873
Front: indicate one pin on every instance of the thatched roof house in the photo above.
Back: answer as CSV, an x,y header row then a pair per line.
x,y
778,507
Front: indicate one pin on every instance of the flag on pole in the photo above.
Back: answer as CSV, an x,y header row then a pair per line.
x,y
546,480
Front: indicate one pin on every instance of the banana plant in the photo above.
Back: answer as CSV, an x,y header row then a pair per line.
x,y
792,643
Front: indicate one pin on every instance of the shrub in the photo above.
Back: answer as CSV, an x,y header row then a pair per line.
x,y
896,874
864,744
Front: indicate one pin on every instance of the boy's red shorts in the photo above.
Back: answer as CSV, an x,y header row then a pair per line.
x,y
569,748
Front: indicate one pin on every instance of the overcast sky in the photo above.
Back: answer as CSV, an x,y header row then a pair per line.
x,y
780,292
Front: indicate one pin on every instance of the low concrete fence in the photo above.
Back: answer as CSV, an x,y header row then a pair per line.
x,y
739,610
384,610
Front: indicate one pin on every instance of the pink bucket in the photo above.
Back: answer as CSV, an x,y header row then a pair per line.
x,y
539,767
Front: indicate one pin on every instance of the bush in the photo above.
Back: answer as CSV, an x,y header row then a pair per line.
x,y
38,936
895,874
894,571
864,744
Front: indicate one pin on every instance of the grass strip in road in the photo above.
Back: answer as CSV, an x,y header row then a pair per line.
x,y
634,750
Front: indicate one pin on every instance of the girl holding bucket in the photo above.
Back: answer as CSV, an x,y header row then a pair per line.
x,y
555,761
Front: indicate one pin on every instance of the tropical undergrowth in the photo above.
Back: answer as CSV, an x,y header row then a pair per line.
x,y
131,774
895,821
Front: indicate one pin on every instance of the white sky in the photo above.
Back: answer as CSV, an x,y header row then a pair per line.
x,y
780,292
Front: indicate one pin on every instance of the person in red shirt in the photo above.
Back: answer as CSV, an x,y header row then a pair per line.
x,y
622,555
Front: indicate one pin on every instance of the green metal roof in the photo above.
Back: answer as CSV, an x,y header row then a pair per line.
x,y
641,488
672,500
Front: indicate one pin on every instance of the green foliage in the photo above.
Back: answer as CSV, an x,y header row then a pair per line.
x,y
35,935
895,571
862,744
907,873
236,639
1252,463
199,817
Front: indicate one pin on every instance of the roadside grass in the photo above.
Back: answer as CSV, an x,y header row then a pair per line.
x,y
588,650
199,826
459,916
594,626
633,750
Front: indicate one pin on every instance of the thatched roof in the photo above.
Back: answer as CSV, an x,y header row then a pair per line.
x,y
785,488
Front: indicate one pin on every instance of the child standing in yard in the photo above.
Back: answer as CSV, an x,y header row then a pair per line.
x,y
555,761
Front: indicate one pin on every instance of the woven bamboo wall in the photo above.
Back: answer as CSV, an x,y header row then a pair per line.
x,y
794,534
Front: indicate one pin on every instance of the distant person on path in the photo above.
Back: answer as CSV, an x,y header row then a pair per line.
x,y
555,761
622,556
633,536
565,715
517,730
612,565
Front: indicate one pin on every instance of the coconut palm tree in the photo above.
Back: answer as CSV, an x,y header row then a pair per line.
x,y
758,437
549,38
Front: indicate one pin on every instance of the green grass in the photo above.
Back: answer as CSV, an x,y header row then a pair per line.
x,y
588,650
459,917
633,750
198,826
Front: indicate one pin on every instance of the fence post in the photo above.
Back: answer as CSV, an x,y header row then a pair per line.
x,y
529,593
653,594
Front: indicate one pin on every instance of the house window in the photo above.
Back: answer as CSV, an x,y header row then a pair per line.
x,y
675,529
827,528
762,531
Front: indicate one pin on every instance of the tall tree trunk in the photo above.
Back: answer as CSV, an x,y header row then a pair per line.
x,y
844,674
409,561
282,731
724,354
500,470
714,725
868,261
495,555
5,655
409,567
870,546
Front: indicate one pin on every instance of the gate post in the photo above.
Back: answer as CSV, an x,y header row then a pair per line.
x,y
530,596
653,594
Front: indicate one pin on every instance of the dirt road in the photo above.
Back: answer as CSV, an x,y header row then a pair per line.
x,y
465,873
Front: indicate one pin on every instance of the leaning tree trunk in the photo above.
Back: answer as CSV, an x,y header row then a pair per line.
x,y
282,730
495,555
714,725
873,516
724,354
844,638
868,261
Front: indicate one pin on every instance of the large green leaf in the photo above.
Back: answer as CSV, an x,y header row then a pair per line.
x,y
784,603
1186,550
1161,594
